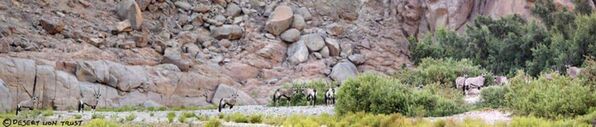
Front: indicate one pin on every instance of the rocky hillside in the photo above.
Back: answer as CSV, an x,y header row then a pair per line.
x,y
188,53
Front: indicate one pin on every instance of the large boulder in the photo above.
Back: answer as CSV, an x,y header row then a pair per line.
x,y
333,45
291,35
297,52
230,32
357,59
224,91
52,26
130,10
121,77
313,41
280,21
343,70
6,100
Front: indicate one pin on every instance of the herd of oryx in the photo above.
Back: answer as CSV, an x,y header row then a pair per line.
x,y
472,85
469,85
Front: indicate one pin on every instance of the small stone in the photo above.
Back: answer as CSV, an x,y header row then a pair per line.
x,y
231,32
335,29
233,10
291,35
325,52
141,39
123,26
317,55
298,22
357,59
129,9
305,13
346,49
202,8
52,26
280,20
127,44
225,43
333,45
182,4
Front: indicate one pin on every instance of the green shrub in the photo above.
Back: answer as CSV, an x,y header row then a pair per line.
x,y
442,71
213,122
131,117
493,96
384,95
185,115
78,116
97,116
171,116
558,97
101,123
589,73
541,122
255,118
237,117
47,112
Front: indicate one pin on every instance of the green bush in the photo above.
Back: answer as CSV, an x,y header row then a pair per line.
x,y
171,116
131,117
213,122
493,96
442,71
558,97
185,115
97,116
384,95
47,112
101,123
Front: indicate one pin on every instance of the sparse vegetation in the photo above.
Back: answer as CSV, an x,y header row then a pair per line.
x,y
171,116
185,116
213,122
131,117
385,95
101,123
97,116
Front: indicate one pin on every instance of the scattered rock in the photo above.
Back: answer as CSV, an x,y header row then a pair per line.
x,y
298,22
233,10
183,4
225,43
346,9
130,10
291,35
141,39
127,44
343,70
280,20
174,56
357,59
297,52
346,49
123,26
303,11
202,8
313,41
333,45
335,29
52,26
223,91
325,52
231,32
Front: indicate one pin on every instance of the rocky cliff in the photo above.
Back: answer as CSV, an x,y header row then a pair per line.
x,y
187,53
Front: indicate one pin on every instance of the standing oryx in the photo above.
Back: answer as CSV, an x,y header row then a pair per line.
x,y
330,96
311,95
230,101
286,93
91,102
29,104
